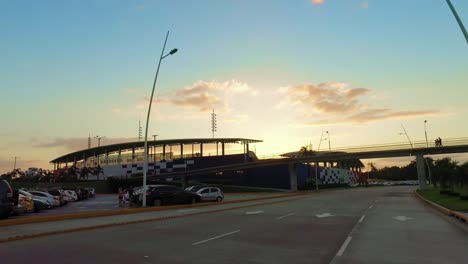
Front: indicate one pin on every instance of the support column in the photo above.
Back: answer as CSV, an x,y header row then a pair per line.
x,y
222,148
293,177
201,149
164,152
421,166
133,155
181,151
119,158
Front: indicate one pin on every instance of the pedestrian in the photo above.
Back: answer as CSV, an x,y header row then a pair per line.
x,y
120,193
440,142
130,196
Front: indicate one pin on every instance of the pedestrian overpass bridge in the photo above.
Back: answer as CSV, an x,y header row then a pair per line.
x,y
416,149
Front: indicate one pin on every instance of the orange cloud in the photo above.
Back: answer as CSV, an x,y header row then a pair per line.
x,y
335,102
318,2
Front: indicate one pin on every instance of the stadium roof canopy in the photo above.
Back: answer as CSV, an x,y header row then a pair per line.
x,y
78,155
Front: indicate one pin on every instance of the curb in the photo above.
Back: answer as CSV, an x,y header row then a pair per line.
x,y
443,210
87,228
41,219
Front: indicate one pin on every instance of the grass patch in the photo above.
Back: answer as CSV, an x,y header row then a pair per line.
x,y
453,203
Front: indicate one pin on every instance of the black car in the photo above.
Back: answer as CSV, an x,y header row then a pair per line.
x,y
6,199
167,194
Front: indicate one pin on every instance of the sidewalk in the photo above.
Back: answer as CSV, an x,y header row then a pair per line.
x,y
23,231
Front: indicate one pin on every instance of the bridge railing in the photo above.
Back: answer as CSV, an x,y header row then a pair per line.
x,y
401,146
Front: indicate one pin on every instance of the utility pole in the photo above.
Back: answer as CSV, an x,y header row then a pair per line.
x,y
14,164
140,130
89,141
154,149
213,122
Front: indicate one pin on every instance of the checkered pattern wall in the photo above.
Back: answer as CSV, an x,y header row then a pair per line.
x,y
337,176
159,166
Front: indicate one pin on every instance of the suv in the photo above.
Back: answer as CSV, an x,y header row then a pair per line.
x,y
167,194
6,199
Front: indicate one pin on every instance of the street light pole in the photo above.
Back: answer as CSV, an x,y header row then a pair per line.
x,y
145,164
458,20
99,140
425,133
329,145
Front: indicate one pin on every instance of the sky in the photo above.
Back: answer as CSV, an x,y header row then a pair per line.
x,y
279,71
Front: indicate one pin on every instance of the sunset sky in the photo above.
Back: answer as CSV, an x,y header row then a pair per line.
x,y
278,71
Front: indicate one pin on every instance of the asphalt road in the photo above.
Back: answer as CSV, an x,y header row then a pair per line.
x,y
373,225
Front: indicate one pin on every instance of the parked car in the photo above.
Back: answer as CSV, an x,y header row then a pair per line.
x,y
27,202
72,194
56,192
91,192
40,203
211,194
54,200
6,199
194,188
167,194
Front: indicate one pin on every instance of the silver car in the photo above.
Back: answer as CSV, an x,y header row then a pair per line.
x,y
211,194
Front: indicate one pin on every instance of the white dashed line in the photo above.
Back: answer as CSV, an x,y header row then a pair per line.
x,y
343,247
370,207
361,219
216,237
281,217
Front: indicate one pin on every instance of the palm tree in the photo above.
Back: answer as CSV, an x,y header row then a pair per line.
x,y
463,174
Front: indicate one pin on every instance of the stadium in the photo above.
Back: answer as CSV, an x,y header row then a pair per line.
x,y
125,160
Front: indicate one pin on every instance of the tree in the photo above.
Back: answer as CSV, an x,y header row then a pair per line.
x,y
463,176
446,172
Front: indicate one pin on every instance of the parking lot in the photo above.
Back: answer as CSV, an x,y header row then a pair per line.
x,y
107,202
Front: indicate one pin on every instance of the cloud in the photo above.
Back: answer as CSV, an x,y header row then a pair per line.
x,y
75,144
317,2
365,4
116,110
336,102
207,95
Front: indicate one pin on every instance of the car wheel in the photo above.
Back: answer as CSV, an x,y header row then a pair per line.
x,y
219,199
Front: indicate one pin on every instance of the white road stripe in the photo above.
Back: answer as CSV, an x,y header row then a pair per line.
x,y
343,247
370,207
254,212
281,217
206,240
362,218
187,210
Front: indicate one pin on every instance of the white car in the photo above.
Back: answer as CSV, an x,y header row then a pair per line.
x,y
54,200
211,194
72,194
66,196
41,199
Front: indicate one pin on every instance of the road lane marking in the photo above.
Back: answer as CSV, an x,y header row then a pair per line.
x,y
370,207
402,218
281,217
254,212
216,237
343,247
361,219
324,215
